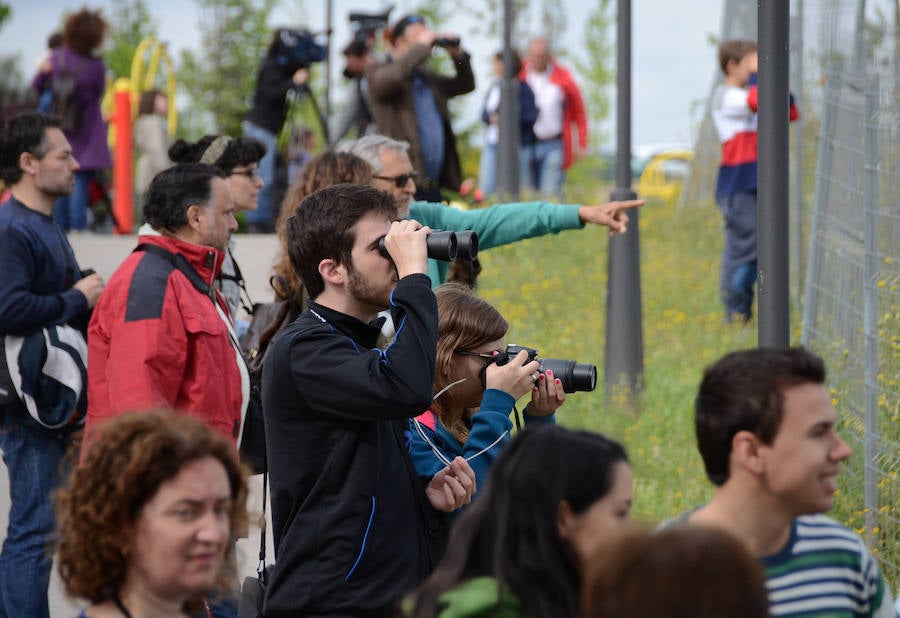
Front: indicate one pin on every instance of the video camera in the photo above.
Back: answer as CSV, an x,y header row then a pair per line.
x,y
367,24
445,246
296,48
574,376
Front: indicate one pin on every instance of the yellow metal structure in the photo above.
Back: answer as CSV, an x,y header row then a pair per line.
x,y
663,176
144,69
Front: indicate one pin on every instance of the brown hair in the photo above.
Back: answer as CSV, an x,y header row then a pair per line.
x,y
84,31
465,321
693,571
744,391
147,100
120,472
323,227
324,170
734,51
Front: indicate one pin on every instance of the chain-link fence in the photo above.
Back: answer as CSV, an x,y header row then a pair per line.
x,y
845,201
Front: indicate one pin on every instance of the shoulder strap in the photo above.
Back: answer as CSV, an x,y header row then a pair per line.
x,y
180,263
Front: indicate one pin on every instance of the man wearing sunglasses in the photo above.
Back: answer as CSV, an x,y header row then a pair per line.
x,y
409,102
498,225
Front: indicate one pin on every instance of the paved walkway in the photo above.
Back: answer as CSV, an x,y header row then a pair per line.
x,y
256,255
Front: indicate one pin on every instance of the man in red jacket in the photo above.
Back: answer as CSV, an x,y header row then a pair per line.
x,y
161,335
560,107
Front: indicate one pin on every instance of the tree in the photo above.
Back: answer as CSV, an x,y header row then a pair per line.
x,y
597,71
221,77
130,23
5,12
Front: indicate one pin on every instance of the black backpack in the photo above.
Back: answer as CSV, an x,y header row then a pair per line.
x,y
66,104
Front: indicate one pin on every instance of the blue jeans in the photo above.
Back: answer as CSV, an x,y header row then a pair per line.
x,y
33,458
739,265
543,167
70,211
487,169
264,214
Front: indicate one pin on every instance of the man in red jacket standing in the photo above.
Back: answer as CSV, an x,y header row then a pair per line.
x,y
161,335
560,107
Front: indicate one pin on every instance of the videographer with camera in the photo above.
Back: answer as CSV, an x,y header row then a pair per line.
x,y
409,102
285,67
475,370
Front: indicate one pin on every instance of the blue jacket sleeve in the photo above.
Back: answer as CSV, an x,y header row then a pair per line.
x,y
527,106
500,224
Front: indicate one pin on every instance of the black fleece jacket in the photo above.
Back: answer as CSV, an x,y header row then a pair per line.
x,y
349,531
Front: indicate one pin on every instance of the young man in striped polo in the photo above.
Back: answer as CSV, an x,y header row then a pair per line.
x,y
767,432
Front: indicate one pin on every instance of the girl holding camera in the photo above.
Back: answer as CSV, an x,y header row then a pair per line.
x,y
469,377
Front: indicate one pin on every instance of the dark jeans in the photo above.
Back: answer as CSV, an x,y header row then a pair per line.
x,y
739,265
32,457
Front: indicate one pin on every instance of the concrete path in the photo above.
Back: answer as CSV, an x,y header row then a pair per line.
x,y
256,254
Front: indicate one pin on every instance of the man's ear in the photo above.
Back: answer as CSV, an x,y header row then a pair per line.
x,y
745,452
28,162
332,272
193,216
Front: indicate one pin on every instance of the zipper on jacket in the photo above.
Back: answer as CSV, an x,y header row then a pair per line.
x,y
362,549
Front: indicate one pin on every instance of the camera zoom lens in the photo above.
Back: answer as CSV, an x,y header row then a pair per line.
x,y
574,376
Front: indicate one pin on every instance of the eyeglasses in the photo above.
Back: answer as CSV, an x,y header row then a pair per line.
x,y
400,180
489,355
252,174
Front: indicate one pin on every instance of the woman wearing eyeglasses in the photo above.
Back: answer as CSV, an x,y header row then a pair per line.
x,y
239,158
468,377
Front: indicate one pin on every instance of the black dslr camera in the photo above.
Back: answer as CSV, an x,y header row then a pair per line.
x,y
296,48
574,376
367,24
445,246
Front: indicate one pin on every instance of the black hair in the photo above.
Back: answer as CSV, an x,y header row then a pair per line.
x,y
744,391
25,132
322,228
239,151
172,191
511,533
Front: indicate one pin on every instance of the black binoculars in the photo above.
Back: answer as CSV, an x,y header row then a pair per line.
x,y
446,246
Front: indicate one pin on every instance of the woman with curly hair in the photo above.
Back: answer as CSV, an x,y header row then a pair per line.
x,y
324,170
82,36
147,519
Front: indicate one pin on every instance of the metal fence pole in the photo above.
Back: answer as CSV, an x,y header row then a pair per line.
x,y
797,194
824,163
624,366
773,216
508,147
871,160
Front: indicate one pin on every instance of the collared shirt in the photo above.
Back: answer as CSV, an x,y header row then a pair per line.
x,y
430,127
550,99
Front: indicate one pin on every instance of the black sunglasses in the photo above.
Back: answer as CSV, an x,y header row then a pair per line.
x,y
400,180
252,174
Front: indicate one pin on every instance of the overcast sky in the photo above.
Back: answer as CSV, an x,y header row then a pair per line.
x,y
672,66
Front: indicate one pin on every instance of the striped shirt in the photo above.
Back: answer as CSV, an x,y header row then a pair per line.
x,y
825,570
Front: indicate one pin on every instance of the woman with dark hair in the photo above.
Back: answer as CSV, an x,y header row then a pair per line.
x,y
693,572
239,158
553,497
82,36
324,170
146,520
151,140
467,377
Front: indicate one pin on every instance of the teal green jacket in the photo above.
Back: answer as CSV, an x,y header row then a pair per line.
x,y
495,225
